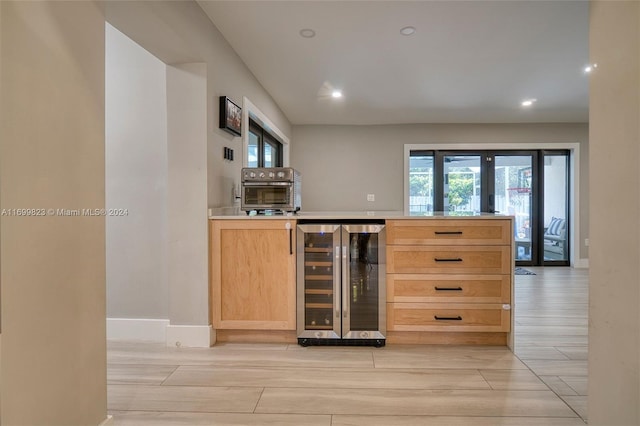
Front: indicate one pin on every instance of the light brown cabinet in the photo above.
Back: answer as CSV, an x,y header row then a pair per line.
x,y
450,276
452,231
253,280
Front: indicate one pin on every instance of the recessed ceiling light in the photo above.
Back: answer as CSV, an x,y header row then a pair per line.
x,y
589,68
336,94
528,102
307,33
407,31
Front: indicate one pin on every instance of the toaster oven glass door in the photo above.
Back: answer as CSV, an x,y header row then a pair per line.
x,y
268,195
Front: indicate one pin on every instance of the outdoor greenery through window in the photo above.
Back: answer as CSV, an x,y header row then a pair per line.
x,y
532,186
421,184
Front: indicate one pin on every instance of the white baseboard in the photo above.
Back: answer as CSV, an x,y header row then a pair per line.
x,y
581,263
149,330
161,331
191,336
107,421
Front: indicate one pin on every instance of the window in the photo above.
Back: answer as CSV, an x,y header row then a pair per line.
x,y
421,183
264,150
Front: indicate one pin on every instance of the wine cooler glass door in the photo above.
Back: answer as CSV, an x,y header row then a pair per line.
x,y
363,282
319,255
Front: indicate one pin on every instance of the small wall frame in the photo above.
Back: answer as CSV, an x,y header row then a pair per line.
x,y
230,116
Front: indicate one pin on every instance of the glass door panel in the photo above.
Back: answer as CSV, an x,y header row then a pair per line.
x,y
319,265
530,185
556,186
421,185
513,196
252,153
462,180
362,282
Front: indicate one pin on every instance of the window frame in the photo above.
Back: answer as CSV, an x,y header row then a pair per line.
x,y
266,139
574,170
250,111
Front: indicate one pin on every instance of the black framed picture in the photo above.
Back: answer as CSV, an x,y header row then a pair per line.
x,y
230,116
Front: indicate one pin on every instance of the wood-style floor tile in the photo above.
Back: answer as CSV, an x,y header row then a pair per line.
x,y
539,352
557,385
577,383
328,378
285,384
253,346
513,380
350,420
553,330
242,357
140,374
578,404
543,340
551,321
146,418
413,402
575,352
460,357
182,398
558,368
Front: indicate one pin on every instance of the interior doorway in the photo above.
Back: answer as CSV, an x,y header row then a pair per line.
x,y
530,185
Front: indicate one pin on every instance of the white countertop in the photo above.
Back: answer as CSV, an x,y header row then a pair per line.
x,y
235,214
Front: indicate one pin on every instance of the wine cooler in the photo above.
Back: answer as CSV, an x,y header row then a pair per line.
x,y
341,283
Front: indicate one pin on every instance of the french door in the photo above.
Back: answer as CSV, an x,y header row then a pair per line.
x,y
530,185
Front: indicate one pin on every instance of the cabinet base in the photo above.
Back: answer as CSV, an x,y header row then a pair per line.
x,y
305,341
255,336
446,338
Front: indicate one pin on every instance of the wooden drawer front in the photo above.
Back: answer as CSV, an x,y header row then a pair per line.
x,y
447,317
448,259
449,231
415,288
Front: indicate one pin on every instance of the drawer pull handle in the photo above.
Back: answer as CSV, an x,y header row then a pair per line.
x,y
455,259
448,232
448,288
458,318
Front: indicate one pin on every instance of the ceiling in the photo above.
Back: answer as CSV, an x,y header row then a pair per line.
x,y
468,61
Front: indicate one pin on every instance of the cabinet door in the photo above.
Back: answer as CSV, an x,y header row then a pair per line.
x,y
253,274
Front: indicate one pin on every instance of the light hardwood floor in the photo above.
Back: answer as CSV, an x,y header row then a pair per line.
x,y
543,383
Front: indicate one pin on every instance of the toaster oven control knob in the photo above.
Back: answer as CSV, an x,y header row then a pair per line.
x,y
252,174
271,175
261,174
280,174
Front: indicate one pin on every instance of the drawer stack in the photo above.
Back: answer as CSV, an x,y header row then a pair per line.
x,y
449,275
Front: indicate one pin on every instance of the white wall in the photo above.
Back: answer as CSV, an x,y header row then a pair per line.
x,y
53,267
156,169
136,180
614,276
187,197
181,35
340,165
180,32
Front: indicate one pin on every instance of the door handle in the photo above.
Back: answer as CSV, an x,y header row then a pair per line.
x,y
448,288
437,318
454,259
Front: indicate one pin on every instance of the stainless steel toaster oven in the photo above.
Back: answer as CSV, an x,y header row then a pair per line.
x,y
271,189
